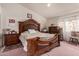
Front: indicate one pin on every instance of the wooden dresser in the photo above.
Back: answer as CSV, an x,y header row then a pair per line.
x,y
53,29
11,39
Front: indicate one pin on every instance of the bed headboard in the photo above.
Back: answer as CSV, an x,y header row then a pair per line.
x,y
28,24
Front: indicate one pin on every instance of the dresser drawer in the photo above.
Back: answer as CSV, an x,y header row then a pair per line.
x,y
11,39
8,43
53,30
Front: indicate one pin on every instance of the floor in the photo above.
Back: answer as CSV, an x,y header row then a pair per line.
x,y
65,49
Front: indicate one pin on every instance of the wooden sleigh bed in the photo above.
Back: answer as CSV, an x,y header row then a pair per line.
x,y
34,45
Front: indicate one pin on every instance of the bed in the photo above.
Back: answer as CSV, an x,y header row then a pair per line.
x,y
35,42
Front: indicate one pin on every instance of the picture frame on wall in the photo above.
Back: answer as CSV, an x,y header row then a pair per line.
x,y
29,15
11,20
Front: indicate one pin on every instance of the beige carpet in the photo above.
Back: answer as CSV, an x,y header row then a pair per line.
x,y
65,49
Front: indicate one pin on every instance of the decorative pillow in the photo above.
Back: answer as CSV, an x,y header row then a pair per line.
x,y
31,31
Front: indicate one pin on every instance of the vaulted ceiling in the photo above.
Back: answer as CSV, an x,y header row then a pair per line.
x,y
56,9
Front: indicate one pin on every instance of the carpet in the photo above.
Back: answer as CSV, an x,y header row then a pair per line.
x,y
12,47
65,49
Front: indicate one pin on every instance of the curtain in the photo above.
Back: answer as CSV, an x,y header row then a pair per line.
x,y
69,25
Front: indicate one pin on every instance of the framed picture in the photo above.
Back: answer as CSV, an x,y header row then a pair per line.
x,y
29,15
11,21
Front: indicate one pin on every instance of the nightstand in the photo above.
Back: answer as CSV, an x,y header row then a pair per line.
x,y
11,39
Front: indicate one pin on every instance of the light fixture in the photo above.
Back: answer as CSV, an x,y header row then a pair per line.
x,y
48,4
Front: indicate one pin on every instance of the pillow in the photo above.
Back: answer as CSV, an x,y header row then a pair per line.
x,y
31,31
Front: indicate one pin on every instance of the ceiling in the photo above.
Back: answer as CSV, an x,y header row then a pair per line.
x,y
56,9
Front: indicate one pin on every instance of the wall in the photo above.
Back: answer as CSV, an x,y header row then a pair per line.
x,y
19,13
0,9
68,17
51,21
0,27
0,17
56,20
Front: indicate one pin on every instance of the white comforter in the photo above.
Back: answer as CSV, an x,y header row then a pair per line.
x,y
26,35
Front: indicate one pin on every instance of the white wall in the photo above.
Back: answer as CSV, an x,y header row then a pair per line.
x,y
19,13
0,17
51,21
0,9
0,27
68,17
56,20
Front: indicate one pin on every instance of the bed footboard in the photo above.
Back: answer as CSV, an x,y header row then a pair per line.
x,y
54,42
35,49
32,46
